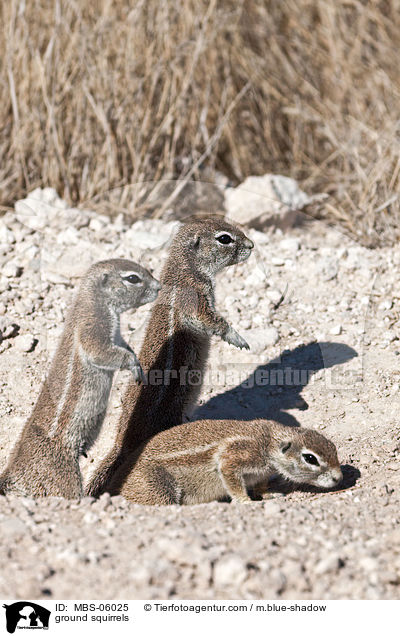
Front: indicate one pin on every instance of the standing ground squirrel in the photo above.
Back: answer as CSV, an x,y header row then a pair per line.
x,y
177,340
203,461
72,403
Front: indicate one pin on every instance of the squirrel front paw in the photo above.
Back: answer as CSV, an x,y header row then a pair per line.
x,y
233,338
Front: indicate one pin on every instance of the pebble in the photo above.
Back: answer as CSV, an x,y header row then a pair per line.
x,y
12,527
369,564
336,330
271,508
328,564
7,236
329,270
10,330
278,262
229,571
290,244
25,343
270,336
11,270
386,305
274,295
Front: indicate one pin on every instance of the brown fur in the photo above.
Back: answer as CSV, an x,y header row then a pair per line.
x,y
198,462
177,339
72,403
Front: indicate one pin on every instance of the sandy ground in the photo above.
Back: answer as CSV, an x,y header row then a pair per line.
x,y
331,348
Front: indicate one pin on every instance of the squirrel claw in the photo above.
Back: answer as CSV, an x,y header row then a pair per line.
x,y
235,339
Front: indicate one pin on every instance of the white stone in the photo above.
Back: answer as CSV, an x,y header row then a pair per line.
x,y
271,508
11,270
290,244
336,330
386,305
267,200
7,236
260,339
256,277
97,224
278,262
369,564
271,336
24,342
70,236
54,278
229,571
274,295
327,564
146,240
12,527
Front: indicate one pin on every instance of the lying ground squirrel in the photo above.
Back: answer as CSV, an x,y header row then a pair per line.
x,y
203,461
72,403
177,340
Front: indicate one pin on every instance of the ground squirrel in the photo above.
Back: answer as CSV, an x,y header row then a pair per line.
x,y
72,403
177,340
203,461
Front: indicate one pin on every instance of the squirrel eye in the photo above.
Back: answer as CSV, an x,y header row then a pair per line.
x,y
310,459
133,279
225,239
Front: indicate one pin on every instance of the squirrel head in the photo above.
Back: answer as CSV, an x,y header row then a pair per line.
x,y
212,244
307,457
125,284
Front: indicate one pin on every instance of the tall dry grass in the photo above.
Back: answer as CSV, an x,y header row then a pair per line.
x,y
96,95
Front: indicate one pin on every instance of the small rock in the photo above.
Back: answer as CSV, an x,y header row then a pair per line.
x,y
393,466
140,575
274,295
10,330
229,571
90,517
271,508
25,342
70,236
12,527
54,278
7,236
369,564
329,270
327,564
259,339
336,330
290,244
262,201
386,305
98,224
11,270
278,262
256,277
270,336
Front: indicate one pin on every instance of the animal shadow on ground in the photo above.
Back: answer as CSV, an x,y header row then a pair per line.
x,y
282,381
274,388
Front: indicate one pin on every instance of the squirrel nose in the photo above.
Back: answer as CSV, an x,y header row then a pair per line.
x,y
248,243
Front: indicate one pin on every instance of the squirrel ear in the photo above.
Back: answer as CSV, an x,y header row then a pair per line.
x,y
104,279
285,446
194,242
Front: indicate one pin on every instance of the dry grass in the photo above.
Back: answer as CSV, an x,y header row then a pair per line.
x,y
101,95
